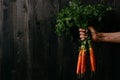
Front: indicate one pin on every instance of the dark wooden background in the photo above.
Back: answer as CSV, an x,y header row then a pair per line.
x,y
30,49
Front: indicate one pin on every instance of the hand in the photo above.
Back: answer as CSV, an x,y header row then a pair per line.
x,y
84,33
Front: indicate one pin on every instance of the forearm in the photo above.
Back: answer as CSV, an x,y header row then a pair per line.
x,y
109,37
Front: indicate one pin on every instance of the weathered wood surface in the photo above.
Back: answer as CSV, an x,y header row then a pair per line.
x,y
1,24
16,56
30,49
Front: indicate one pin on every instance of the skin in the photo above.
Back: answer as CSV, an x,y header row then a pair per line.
x,y
113,37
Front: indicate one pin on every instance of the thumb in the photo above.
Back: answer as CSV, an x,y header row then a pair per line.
x,y
92,30
93,33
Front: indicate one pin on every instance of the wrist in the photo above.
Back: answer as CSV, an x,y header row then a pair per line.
x,y
99,37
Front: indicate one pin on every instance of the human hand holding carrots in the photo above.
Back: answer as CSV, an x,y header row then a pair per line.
x,y
113,37
84,33
86,49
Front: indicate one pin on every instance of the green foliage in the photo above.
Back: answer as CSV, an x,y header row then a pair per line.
x,y
79,15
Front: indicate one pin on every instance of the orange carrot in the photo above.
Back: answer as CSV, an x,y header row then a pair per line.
x,y
83,63
92,59
79,62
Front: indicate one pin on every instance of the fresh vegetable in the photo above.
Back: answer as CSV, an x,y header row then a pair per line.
x,y
83,62
92,59
86,54
79,62
81,16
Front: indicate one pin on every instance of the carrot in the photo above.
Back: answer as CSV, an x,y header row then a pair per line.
x,y
83,63
92,59
86,57
79,62
82,60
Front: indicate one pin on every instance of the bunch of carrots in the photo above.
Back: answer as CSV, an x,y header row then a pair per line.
x,y
86,59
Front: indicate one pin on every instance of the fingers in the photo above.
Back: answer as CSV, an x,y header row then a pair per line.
x,y
83,30
83,37
83,34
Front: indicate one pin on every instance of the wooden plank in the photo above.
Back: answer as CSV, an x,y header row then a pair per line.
x,y
42,27
27,39
21,40
11,23
7,48
1,38
16,55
